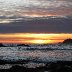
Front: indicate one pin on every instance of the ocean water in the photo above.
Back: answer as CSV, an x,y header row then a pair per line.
x,y
38,56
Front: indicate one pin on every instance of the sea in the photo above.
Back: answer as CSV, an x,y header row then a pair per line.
x,y
34,56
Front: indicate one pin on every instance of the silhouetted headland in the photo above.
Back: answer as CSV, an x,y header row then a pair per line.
x,y
67,41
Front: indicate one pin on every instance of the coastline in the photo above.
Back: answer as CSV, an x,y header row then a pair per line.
x,y
57,66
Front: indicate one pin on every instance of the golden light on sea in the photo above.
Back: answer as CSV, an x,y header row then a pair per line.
x,y
33,38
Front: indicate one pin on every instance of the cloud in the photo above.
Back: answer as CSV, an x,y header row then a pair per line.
x,y
56,25
35,16
38,7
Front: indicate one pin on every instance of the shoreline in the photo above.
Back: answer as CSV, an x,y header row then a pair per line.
x,y
57,66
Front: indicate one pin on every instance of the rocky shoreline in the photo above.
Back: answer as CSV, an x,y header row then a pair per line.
x,y
58,66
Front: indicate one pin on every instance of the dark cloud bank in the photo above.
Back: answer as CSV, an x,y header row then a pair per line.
x,y
51,25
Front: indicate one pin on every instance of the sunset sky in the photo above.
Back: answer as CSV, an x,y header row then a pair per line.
x,y
35,21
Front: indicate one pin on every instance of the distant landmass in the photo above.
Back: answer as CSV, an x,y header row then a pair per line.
x,y
67,41
23,45
1,45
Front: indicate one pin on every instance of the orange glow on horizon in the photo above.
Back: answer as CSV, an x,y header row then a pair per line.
x,y
38,14
33,38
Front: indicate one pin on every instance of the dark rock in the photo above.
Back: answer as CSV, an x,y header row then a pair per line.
x,y
60,66
23,45
67,41
1,45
